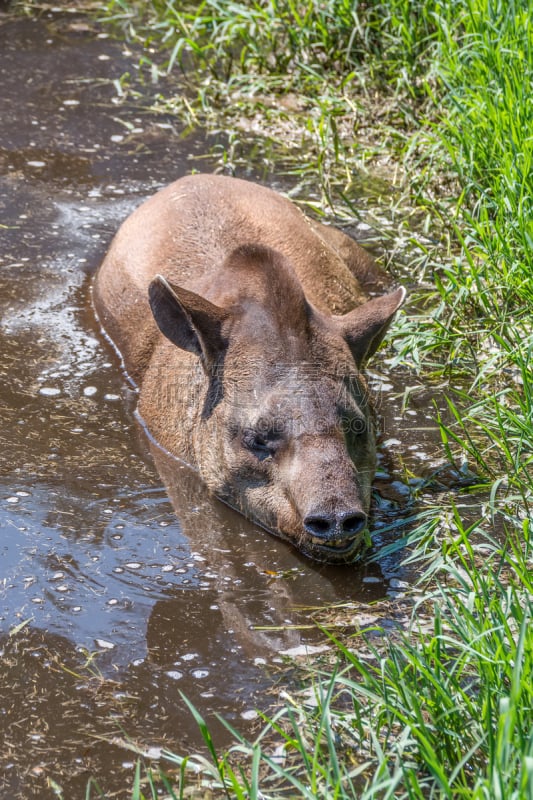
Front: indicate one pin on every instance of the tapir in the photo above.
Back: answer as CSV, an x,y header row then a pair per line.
x,y
245,325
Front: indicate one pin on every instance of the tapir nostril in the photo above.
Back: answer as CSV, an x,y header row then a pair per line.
x,y
319,526
353,523
334,526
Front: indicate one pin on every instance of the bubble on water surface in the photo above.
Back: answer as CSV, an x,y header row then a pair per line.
x,y
104,644
200,673
174,674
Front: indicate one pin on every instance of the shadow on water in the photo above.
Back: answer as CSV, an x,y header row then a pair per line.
x,y
170,588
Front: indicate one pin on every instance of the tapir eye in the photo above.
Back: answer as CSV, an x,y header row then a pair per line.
x,y
259,444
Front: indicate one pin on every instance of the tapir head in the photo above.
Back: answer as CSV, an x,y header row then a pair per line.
x,y
286,429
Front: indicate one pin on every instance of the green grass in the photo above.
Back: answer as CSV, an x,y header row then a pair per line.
x,y
439,92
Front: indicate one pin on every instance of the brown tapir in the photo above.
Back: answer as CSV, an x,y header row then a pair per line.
x,y
245,325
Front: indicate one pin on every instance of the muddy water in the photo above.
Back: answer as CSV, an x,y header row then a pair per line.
x,y
121,582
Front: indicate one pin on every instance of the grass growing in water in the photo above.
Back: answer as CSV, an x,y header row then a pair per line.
x,y
445,89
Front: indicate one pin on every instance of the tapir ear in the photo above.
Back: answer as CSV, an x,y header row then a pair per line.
x,y
365,326
190,321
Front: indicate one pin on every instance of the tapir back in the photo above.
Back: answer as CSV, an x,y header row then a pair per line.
x,y
186,231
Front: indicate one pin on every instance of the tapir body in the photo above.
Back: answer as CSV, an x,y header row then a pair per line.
x,y
245,325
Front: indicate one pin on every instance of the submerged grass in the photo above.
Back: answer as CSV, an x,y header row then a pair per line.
x,y
439,91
